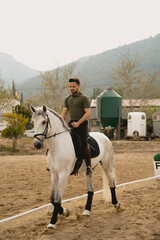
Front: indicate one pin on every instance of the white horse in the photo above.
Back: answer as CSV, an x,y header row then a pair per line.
x,y
61,159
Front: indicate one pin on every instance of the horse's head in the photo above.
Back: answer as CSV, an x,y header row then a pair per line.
x,y
41,124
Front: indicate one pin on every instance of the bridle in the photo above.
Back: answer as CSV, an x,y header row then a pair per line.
x,y
45,132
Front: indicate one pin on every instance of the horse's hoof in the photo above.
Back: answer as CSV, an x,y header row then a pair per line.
x,y
66,212
86,213
117,206
51,226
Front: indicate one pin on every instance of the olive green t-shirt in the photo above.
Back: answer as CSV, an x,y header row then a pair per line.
x,y
76,105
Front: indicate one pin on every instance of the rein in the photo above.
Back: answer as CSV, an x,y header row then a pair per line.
x,y
46,131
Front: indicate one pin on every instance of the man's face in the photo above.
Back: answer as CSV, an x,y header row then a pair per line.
x,y
74,87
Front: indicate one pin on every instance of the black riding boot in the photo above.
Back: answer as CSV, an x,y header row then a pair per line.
x,y
77,146
87,157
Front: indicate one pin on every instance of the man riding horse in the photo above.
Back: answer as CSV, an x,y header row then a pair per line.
x,y
78,106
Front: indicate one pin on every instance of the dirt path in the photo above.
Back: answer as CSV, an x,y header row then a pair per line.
x,y
25,184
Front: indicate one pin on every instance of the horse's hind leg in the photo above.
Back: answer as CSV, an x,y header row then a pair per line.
x,y
109,179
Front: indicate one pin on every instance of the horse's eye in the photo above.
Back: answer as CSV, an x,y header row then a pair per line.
x,y
44,122
32,122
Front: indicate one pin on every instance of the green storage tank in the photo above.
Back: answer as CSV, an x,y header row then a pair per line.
x,y
109,108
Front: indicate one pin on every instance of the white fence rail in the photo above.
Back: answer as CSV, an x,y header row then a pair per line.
x,y
74,198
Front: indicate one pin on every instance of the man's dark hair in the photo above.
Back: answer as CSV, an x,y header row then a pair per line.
x,y
76,80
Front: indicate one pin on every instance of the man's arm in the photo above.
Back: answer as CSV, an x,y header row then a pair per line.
x,y
84,118
64,112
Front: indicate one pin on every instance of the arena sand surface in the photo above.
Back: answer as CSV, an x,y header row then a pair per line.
x,y
25,184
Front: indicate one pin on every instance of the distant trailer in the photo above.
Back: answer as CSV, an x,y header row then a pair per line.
x,y
156,124
136,125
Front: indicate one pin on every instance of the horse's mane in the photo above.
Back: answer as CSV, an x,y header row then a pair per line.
x,y
60,118
40,111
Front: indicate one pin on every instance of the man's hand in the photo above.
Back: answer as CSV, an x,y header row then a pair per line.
x,y
83,119
75,124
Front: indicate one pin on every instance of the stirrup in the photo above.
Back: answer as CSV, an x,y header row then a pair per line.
x,y
89,170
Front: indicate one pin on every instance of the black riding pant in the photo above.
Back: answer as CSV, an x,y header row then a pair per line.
x,y
80,136
82,131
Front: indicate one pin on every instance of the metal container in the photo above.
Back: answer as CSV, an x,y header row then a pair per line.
x,y
109,108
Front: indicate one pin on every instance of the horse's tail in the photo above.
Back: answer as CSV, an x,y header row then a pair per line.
x,y
106,188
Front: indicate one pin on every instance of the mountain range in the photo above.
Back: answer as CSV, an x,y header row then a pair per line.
x,y
95,71
10,70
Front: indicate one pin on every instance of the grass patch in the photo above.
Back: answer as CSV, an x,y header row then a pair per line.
x,y
4,150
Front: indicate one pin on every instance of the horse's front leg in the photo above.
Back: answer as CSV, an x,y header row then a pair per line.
x,y
90,189
58,186
54,187
54,191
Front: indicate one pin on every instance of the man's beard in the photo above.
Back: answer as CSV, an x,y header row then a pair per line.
x,y
74,92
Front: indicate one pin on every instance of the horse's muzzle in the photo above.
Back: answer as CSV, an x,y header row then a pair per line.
x,y
38,144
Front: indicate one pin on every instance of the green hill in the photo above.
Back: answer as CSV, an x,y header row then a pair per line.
x,y
98,69
95,71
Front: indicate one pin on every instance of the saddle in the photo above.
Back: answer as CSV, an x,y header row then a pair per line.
x,y
94,148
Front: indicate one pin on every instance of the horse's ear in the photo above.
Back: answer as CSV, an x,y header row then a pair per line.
x,y
32,109
44,108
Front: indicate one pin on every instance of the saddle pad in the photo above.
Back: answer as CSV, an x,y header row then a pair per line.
x,y
93,147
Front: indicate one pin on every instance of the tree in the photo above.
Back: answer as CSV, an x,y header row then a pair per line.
x,y
13,89
128,76
54,88
68,70
133,82
96,92
21,99
150,88
26,113
16,127
5,97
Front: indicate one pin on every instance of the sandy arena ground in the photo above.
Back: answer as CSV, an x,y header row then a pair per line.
x,y
25,184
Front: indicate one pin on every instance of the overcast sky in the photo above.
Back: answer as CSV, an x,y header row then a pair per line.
x,y
44,33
